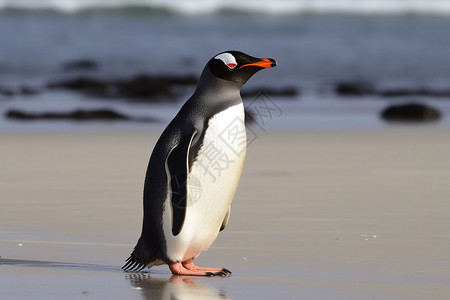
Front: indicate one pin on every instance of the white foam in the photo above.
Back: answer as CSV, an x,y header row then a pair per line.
x,y
440,7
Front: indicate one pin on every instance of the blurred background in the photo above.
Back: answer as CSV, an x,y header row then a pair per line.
x,y
129,65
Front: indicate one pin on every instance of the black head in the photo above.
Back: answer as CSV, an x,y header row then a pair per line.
x,y
237,66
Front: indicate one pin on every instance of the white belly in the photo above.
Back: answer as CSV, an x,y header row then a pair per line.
x,y
212,183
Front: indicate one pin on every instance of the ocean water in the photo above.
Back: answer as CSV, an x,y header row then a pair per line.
x,y
317,44
440,7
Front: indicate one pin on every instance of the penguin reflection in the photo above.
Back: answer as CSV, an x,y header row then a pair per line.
x,y
176,287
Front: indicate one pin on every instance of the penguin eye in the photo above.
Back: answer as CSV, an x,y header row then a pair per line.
x,y
228,59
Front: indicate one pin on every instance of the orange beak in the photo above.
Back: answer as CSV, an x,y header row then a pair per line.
x,y
263,63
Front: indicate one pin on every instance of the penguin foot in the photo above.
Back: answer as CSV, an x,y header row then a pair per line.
x,y
180,268
189,265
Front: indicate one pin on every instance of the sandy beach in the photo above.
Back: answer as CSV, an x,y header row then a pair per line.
x,y
317,215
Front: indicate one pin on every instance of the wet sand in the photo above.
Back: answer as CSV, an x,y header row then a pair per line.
x,y
317,215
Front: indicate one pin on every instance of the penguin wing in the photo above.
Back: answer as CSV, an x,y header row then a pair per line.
x,y
225,220
177,164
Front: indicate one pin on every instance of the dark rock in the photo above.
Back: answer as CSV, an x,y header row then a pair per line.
x,y
411,112
77,115
284,92
28,91
414,92
23,90
138,87
356,88
180,80
80,65
144,86
362,88
81,84
6,91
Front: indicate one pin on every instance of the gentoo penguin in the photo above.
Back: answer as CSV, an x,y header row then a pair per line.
x,y
194,170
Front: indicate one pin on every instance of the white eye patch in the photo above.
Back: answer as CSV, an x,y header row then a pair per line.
x,y
227,59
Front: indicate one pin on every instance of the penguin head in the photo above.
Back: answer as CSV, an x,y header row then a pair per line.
x,y
237,66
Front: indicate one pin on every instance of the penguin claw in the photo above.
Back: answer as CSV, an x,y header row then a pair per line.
x,y
223,274
220,273
228,272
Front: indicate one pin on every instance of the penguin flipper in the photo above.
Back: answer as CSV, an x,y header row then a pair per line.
x,y
177,163
225,220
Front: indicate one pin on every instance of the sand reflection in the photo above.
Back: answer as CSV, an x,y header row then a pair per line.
x,y
174,288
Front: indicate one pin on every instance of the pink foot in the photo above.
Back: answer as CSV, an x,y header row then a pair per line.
x,y
178,269
189,265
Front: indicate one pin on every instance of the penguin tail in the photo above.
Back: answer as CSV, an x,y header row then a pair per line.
x,y
140,258
134,264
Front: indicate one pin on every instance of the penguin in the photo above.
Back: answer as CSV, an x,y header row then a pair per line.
x,y
194,170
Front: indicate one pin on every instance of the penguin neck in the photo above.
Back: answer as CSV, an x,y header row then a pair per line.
x,y
212,87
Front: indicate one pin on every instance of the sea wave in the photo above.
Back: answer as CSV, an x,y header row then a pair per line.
x,y
274,7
